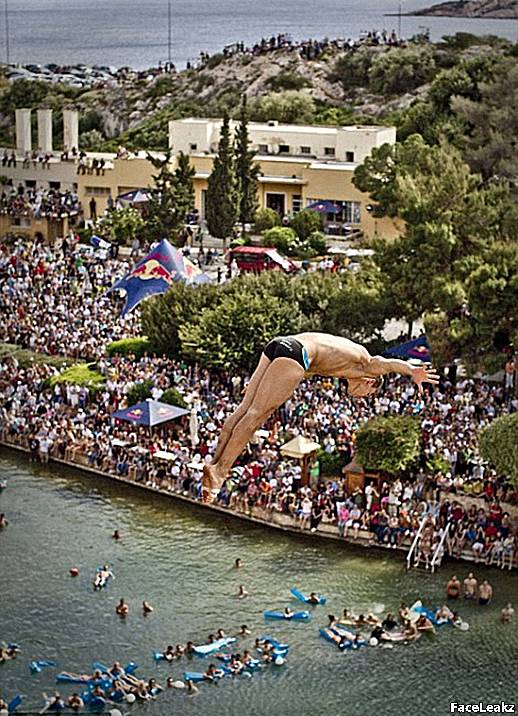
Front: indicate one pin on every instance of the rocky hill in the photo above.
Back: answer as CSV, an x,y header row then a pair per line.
x,y
330,82
503,9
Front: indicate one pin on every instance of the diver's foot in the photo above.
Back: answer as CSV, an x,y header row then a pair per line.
x,y
211,484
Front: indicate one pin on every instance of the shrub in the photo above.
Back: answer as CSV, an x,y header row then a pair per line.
x,y
287,81
241,241
282,238
291,106
389,444
317,242
498,445
28,358
331,463
306,222
173,397
80,374
139,392
214,60
127,346
266,219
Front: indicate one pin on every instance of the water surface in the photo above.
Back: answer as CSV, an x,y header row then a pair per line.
x,y
135,32
180,559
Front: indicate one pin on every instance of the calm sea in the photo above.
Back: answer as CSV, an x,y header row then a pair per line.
x,y
135,32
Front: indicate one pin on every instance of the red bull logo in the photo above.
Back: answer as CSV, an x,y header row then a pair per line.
x,y
151,269
135,414
190,270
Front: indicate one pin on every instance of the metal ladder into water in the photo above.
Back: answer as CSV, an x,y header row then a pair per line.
x,y
439,551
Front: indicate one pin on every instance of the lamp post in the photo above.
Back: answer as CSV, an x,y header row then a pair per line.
x,y
169,33
6,14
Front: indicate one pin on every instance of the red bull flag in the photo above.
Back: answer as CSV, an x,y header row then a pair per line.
x,y
417,349
155,273
150,412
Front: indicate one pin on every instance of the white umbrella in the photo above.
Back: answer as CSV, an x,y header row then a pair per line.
x,y
193,427
164,455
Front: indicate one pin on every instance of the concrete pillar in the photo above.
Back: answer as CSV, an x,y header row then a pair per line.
x,y
70,129
45,130
23,130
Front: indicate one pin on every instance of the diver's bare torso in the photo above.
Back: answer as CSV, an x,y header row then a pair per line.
x,y
334,356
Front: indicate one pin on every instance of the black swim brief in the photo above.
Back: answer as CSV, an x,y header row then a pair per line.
x,y
287,347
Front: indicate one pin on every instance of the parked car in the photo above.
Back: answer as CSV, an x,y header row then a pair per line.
x,y
260,258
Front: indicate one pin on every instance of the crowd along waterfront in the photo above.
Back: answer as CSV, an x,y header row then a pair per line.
x,y
181,559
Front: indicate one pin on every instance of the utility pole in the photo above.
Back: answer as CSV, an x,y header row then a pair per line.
x,y
399,22
6,12
169,34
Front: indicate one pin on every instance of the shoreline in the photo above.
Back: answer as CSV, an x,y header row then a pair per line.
x,y
444,14
276,520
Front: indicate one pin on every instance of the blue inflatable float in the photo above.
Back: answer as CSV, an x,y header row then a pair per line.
x,y
307,600
294,616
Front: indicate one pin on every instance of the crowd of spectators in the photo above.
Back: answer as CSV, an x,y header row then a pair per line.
x,y
39,203
308,49
55,302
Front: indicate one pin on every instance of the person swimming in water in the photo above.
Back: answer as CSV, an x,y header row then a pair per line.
x,y
122,609
102,576
169,653
285,362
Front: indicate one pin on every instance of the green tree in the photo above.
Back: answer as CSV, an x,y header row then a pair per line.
x,y
292,107
282,238
121,226
305,222
266,219
390,444
451,218
222,201
247,170
498,445
402,70
171,198
173,397
493,121
162,316
138,392
233,333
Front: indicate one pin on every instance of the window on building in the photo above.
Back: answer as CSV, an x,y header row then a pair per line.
x,y
305,150
284,148
97,190
262,148
352,212
54,185
296,203
329,151
31,183
22,222
193,147
349,156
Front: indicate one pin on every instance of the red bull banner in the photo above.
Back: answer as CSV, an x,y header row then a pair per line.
x,y
155,273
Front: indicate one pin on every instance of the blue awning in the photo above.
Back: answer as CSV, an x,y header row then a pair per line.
x,y
150,412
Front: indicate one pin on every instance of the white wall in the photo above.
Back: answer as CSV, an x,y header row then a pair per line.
x,y
204,134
